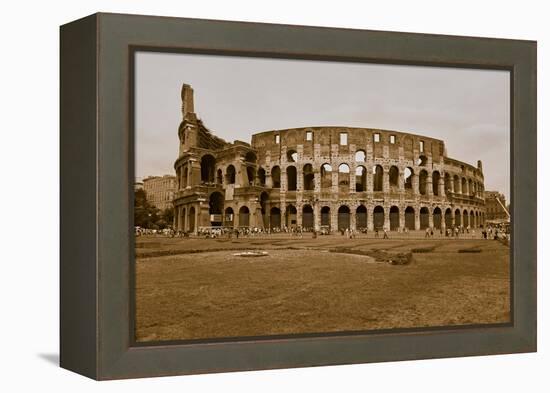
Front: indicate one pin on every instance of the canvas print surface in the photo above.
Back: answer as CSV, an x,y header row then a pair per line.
x,y
295,197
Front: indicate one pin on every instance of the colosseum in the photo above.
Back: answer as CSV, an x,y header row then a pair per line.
x,y
322,178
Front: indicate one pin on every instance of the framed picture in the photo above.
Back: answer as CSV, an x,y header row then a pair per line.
x,y
242,196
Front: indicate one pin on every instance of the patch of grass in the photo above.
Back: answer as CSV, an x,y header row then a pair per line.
x,y
421,250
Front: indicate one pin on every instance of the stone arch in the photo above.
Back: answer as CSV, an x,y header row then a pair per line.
x,y
448,218
360,156
264,202
360,179
458,218
437,218
378,178
244,216
291,178
276,176
290,215
251,175
410,218
435,182
422,160
456,184
215,208
229,217
465,219
309,178
424,218
472,219
378,217
230,175
343,177
463,185
250,157
448,183
408,175
343,217
394,176
275,217
394,218
208,168
361,217
422,182
325,217
291,156
307,217
261,176
326,176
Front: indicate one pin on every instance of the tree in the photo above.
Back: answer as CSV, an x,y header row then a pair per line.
x,y
145,214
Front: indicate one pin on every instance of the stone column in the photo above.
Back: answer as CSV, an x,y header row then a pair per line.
x,y
369,178
316,216
352,219
370,218
417,218
299,208
441,186
430,218
268,180
334,180
402,216
401,182
386,180
299,177
317,180
429,185
387,218
415,184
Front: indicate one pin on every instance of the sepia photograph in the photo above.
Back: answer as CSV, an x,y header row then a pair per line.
x,y
289,197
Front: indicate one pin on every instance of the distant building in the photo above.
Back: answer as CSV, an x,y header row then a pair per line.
x,y
138,185
160,190
494,204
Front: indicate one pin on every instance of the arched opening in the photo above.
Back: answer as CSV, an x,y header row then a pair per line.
x,y
456,184
230,175
276,177
244,216
448,183
219,177
307,217
291,156
424,218
183,216
261,177
215,208
470,187
378,180
409,218
326,176
422,161
343,178
184,177
378,217
465,219
360,156
394,176
435,182
228,220
422,182
208,168
437,218
251,175
275,217
472,219
250,157
464,186
309,179
360,179
361,217
343,217
325,217
408,174
458,220
448,218
191,219
264,201
394,218
291,178
291,216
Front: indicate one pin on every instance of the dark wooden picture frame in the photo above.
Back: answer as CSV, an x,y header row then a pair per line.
x,y
96,194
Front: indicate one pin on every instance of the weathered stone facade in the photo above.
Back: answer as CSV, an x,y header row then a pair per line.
x,y
321,178
495,203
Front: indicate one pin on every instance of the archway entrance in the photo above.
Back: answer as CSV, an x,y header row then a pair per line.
x,y
361,217
325,217
343,217
228,218
244,217
437,218
424,218
394,218
275,217
307,217
215,209
378,217
409,218
291,216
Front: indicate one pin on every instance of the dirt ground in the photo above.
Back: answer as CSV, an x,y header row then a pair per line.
x,y
307,285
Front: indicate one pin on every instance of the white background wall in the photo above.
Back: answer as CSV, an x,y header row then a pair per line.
x,y
29,193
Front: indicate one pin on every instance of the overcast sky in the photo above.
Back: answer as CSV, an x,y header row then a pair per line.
x,y
237,97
